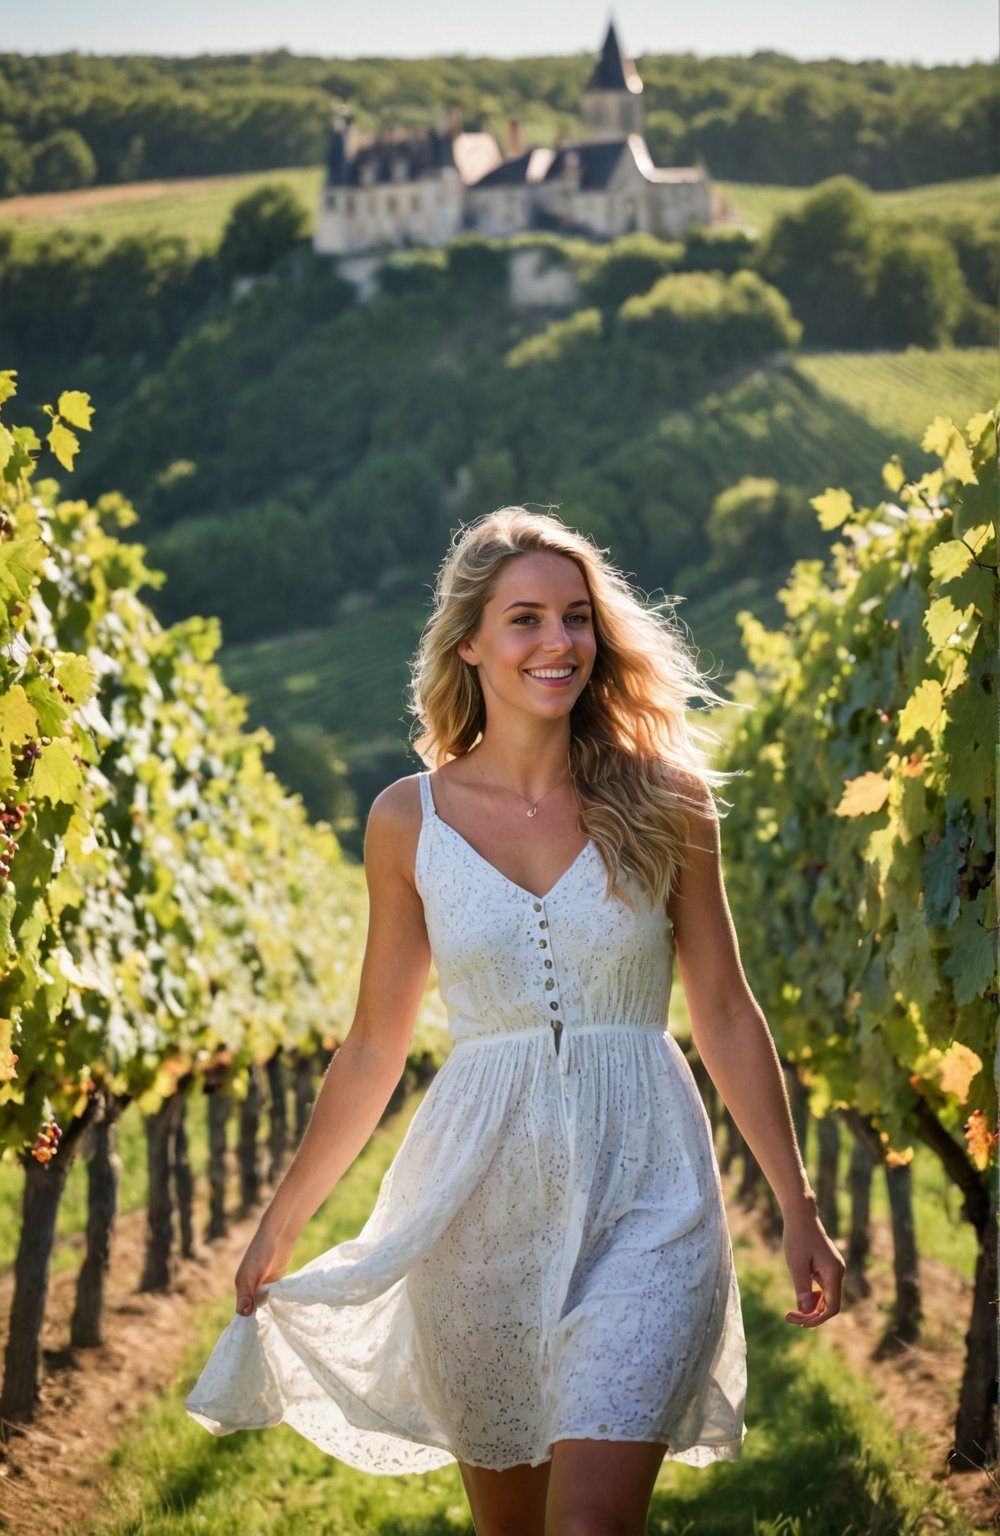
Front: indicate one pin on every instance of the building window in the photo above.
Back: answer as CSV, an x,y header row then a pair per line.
x,y
390,204
415,203
349,203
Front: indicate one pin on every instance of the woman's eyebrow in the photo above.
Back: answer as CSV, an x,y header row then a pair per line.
x,y
579,602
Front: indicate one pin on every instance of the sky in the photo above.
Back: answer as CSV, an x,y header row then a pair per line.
x,y
917,31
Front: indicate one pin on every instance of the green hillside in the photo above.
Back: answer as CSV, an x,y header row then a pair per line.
x,y
822,420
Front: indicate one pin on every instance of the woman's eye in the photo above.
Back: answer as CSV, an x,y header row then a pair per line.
x,y
525,617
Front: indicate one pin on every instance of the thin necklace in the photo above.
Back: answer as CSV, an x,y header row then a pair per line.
x,y
533,805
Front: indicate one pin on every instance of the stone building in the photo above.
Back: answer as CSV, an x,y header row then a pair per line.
x,y
425,188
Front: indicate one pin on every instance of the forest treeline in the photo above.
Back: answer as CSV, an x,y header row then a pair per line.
x,y
70,120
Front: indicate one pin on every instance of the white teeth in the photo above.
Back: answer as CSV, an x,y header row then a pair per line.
x,y
550,671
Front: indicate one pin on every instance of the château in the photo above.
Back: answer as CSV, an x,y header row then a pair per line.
x,y
425,187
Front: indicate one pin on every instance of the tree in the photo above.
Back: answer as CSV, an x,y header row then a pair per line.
x,y
919,291
63,162
262,227
820,255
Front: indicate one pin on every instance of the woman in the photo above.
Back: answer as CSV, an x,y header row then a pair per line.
x,y
544,1291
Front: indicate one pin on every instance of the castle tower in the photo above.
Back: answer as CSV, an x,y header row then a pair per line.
x,y
612,103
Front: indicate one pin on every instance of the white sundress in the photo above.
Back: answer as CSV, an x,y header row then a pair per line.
x,y
548,1256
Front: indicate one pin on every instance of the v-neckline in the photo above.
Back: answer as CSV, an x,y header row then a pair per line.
x,y
521,889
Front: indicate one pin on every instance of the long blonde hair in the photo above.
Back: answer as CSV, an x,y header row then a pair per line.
x,y
634,760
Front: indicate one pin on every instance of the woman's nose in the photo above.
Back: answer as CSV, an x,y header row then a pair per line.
x,y
558,639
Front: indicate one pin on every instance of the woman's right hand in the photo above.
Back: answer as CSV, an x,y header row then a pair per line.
x,y
265,1259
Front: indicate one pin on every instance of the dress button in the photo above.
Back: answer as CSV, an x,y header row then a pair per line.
x,y
543,943
537,906
553,1006
549,984
548,965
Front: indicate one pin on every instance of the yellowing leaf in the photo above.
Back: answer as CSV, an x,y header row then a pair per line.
x,y
6,446
956,1069
923,711
863,795
943,437
7,385
892,474
950,559
75,407
64,444
834,507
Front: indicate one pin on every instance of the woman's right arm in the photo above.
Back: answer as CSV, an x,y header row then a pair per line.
x,y
359,1081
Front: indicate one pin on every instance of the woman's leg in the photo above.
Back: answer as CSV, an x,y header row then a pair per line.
x,y
509,1503
601,1487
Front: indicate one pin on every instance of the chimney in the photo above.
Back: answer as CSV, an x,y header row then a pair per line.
x,y
515,141
454,120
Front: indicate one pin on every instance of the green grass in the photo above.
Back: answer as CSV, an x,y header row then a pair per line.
x,y
977,198
819,1459
199,212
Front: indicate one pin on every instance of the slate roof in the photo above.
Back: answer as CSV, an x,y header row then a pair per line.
x,y
597,163
529,167
614,72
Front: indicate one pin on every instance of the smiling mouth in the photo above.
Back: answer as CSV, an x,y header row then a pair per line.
x,y
552,674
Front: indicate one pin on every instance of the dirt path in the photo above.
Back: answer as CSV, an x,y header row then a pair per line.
x,y
51,1473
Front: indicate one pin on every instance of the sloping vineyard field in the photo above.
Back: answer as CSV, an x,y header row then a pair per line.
x,y
903,391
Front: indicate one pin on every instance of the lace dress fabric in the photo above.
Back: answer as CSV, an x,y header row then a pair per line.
x,y
548,1256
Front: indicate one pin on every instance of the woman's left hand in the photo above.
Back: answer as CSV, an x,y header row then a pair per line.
x,y
811,1256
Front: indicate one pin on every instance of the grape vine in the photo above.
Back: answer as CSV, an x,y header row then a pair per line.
x,y
862,844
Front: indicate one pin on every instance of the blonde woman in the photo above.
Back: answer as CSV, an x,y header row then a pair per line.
x,y
544,1291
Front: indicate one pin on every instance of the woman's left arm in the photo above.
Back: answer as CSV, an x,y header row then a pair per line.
x,y
732,1038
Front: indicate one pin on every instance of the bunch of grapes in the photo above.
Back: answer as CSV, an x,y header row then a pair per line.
x,y
46,1142
11,821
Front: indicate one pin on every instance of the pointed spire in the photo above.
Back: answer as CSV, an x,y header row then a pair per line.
x,y
613,71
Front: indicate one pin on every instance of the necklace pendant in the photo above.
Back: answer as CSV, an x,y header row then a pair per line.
x,y
533,811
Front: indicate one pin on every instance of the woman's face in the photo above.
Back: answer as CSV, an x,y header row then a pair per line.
x,y
535,646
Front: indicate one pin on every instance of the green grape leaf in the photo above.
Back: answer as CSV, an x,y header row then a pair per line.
x,y
64,444
26,442
944,858
17,718
75,407
944,623
972,957
923,711
867,793
834,507
48,705
21,560
76,673
7,446
7,385
950,559
56,776
943,438
912,965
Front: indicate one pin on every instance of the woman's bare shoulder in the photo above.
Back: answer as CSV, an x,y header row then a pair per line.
x,y
396,810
